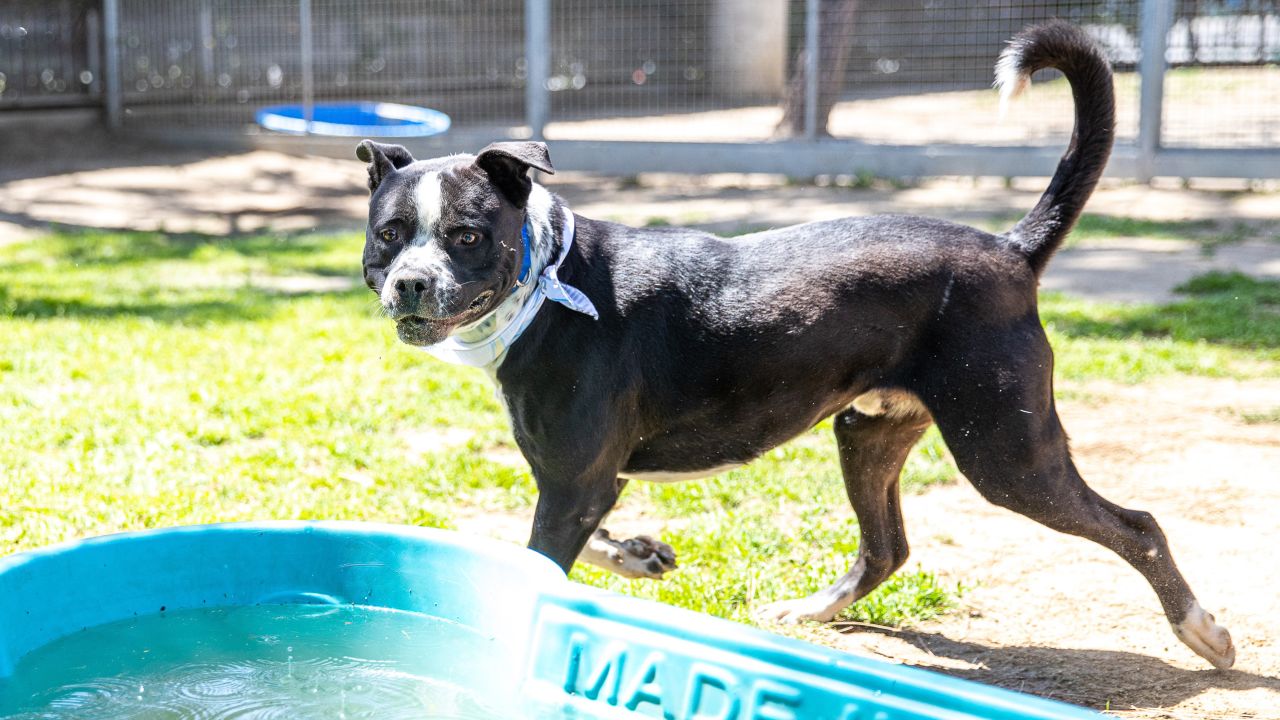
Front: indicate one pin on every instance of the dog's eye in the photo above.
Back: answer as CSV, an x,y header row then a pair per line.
x,y
466,237
388,236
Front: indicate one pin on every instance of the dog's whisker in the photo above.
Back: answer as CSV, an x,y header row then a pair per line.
x,y
378,310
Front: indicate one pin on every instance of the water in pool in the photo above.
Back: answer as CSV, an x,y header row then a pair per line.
x,y
267,661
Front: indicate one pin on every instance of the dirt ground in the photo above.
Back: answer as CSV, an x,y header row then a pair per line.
x,y
1059,616
1043,612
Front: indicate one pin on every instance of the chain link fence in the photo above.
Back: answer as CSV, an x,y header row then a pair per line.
x,y
1223,85
215,62
914,73
697,73
50,53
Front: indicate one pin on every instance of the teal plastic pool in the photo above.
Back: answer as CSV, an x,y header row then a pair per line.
x,y
552,648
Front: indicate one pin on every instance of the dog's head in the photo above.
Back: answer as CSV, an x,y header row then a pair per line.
x,y
443,246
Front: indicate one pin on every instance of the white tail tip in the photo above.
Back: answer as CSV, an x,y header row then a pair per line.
x,y
1011,80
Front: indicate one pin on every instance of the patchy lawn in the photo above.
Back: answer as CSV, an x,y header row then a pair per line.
x,y
150,380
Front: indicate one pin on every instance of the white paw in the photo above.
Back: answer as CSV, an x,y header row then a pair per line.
x,y
1207,638
637,557
643,557
793,612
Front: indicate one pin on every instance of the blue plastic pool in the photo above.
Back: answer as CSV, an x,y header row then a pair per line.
x,y
513,633
365,119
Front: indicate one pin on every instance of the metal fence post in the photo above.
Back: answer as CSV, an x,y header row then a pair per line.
x,y
308,61
112,100
811,69
1157,18
537,58
93,49
207,76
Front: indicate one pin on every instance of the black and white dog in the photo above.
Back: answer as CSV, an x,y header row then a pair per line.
x,y
623,353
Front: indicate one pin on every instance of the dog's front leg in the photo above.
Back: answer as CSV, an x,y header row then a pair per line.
x,y
559,512
568,512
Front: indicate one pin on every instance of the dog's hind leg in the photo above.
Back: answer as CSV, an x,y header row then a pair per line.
x,y
875,438
998,418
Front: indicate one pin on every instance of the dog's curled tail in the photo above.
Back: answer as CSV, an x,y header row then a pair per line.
x,y
1068,49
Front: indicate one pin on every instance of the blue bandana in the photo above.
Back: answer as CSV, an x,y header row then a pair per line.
x,y
528,257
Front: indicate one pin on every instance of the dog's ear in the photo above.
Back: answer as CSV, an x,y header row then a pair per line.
x,y
382,159
507,165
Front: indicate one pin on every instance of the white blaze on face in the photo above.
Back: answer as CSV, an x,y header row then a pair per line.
x,y
429,199
423,255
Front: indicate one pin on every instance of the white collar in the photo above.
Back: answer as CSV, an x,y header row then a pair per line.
x,y
514,315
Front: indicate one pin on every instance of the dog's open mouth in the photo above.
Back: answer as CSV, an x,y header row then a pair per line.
x,y
480,301
419,330
416,330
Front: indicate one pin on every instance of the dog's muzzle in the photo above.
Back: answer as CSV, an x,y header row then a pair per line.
x,y
420,331
423,316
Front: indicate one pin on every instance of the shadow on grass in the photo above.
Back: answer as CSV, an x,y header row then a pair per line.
x,y
102,275
1105,226
1208,234
239,306
99,248
1230,309
1094,678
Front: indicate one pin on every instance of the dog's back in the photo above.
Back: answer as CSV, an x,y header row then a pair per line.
x,y
751,277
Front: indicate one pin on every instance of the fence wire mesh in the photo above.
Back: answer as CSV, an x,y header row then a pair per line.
x,y
207,61
463,58
922,72
891,72
914,73
215,62
1223,85
50,53
628,58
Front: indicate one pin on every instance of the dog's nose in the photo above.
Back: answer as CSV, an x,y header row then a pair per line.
x,y
411,290
408,292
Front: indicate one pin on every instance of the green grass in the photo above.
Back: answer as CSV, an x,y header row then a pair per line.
x,y
1259,418
150,380
1227,325
1208,234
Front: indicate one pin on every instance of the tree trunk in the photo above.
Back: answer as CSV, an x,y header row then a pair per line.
x,y
835,36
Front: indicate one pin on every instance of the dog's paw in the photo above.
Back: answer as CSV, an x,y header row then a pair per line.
x,y
1207,638
637,557
817,608
657,556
